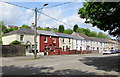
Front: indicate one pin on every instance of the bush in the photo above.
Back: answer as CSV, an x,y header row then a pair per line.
x,y
15,43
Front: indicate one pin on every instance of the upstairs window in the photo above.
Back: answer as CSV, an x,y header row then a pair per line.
x,y
69,40
63,40
54,40
21,38
45,39
76,42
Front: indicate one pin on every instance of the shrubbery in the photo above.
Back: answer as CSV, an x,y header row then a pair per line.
x,y
15,43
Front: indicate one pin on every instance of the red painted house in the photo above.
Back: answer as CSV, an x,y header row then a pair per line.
x,y
49,42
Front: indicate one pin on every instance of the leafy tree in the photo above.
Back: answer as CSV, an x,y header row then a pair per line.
x,y
101,35
87,32
61,28
108,37
4,28
104,15
46,29
24,26
75,28
0,40
93,34
39,28
68,31
56,30
80,30
12,29
15,43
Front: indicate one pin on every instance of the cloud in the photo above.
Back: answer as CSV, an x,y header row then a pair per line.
x,y
11,14
14,15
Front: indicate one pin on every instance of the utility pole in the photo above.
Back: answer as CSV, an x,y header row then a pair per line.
x,y
35,31
35,36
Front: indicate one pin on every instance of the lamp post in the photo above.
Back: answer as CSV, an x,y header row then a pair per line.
x,y
35,31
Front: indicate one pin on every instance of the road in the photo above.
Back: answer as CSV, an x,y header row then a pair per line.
x,y
82,64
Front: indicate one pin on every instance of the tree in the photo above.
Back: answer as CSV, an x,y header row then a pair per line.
x,y
101,35
93,34
108,37
80,30
15,43
75,28
68,31
87,32
12,29
4,28
56,30
61,28
104,15
24,26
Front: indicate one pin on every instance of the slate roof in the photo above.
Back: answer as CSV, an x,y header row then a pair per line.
x,y
84,36
31,31
21,31
64,35
46,33
100,40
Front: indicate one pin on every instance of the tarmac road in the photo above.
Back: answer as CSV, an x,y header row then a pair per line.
x,y
82,64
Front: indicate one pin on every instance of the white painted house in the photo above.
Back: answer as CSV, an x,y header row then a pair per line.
x,y
85,42
25,36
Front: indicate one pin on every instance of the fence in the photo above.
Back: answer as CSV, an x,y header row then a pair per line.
x,y
13,50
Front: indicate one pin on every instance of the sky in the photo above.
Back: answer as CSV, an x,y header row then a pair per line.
x,y
67,13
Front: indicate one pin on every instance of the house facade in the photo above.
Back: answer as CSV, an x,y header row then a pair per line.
x,y
85,42
65,41
52,43
49,42
25,36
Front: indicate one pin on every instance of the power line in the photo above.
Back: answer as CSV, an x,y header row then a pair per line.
x,y
57,5
60,4
17,5
29,18
54,18
39,12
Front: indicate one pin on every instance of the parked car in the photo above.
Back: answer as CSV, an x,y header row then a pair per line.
x,y
106,52
117,51
113,51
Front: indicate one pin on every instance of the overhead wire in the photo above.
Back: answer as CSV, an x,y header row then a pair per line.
x,y
17,5
41,11
56,5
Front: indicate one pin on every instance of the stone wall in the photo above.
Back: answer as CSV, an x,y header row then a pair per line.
x,y
13,50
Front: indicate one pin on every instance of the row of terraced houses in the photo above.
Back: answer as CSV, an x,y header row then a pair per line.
x,y
52,43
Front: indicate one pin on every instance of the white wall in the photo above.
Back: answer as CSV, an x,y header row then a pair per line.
x,y
9,38
66,43
76,45
27,37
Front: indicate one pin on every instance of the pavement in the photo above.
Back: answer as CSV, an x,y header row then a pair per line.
x,y
80,64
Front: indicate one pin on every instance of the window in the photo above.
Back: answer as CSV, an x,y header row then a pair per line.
x,y
63,40
45,39
54,40
66,47
50,47
21,38
76,42
69,40
80,48
55,46
45,47
76,47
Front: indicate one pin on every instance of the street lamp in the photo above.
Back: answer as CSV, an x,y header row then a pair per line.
x,y
35,31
